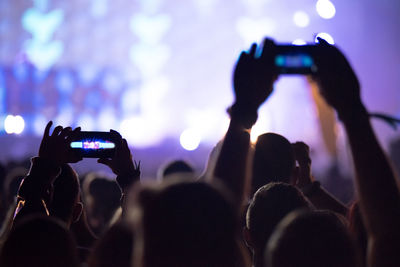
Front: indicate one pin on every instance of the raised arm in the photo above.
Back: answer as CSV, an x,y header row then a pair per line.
x,y
122,165
253,80
375,181
319,197
35,191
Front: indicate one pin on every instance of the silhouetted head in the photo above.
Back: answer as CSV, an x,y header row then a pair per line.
x,y
175,167
102,199
311,239
273,161
65,204
39,241
186,223
114,248
270,204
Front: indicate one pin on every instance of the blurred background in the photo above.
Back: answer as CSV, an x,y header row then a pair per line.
x,y
160,72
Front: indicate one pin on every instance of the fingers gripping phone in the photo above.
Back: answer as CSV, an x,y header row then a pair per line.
x,y
95,144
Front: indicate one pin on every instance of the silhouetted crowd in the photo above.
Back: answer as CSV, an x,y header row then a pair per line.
x,y
254,205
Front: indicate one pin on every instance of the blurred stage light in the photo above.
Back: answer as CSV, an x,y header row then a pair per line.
x,y
21,72
301,19
65,117
88,74
19,124
64,81
86,122
150,59
99,8
14,124
130,100
107,119
326,9
326,36
190,139
299,42
112,82
141,131
150,29
39,123
252,30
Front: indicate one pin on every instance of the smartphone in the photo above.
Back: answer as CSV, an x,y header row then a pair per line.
x,y
94,144
295,59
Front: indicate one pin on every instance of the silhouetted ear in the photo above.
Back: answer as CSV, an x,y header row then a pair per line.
x,y
77,212
247,238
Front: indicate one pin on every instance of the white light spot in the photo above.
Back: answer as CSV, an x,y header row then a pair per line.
x,y
326,9
190,139
326,36
141,131
299,42
14,124
301,19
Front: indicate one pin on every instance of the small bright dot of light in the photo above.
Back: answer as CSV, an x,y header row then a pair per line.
x,y
19,124
190,139
299,42
301,19
326,9
14,124
326,36
9,124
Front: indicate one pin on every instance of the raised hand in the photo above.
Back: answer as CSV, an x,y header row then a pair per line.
x,y
253,81
336,79
121,164
56,146
302,155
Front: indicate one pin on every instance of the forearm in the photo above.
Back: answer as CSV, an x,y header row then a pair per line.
x,y
375,180
322,199
125,183
35,191
231,167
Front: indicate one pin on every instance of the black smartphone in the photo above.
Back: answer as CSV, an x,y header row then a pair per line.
x,y
95,144
295,59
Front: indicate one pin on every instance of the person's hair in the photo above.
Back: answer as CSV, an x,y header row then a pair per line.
x,y
39,241
66,194
270,204
187,223
311,239
273,160
114,248
174,167
102,199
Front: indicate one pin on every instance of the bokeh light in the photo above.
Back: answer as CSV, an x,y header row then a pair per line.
x,y
190,139
326,9
326,36
301,19
14,124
